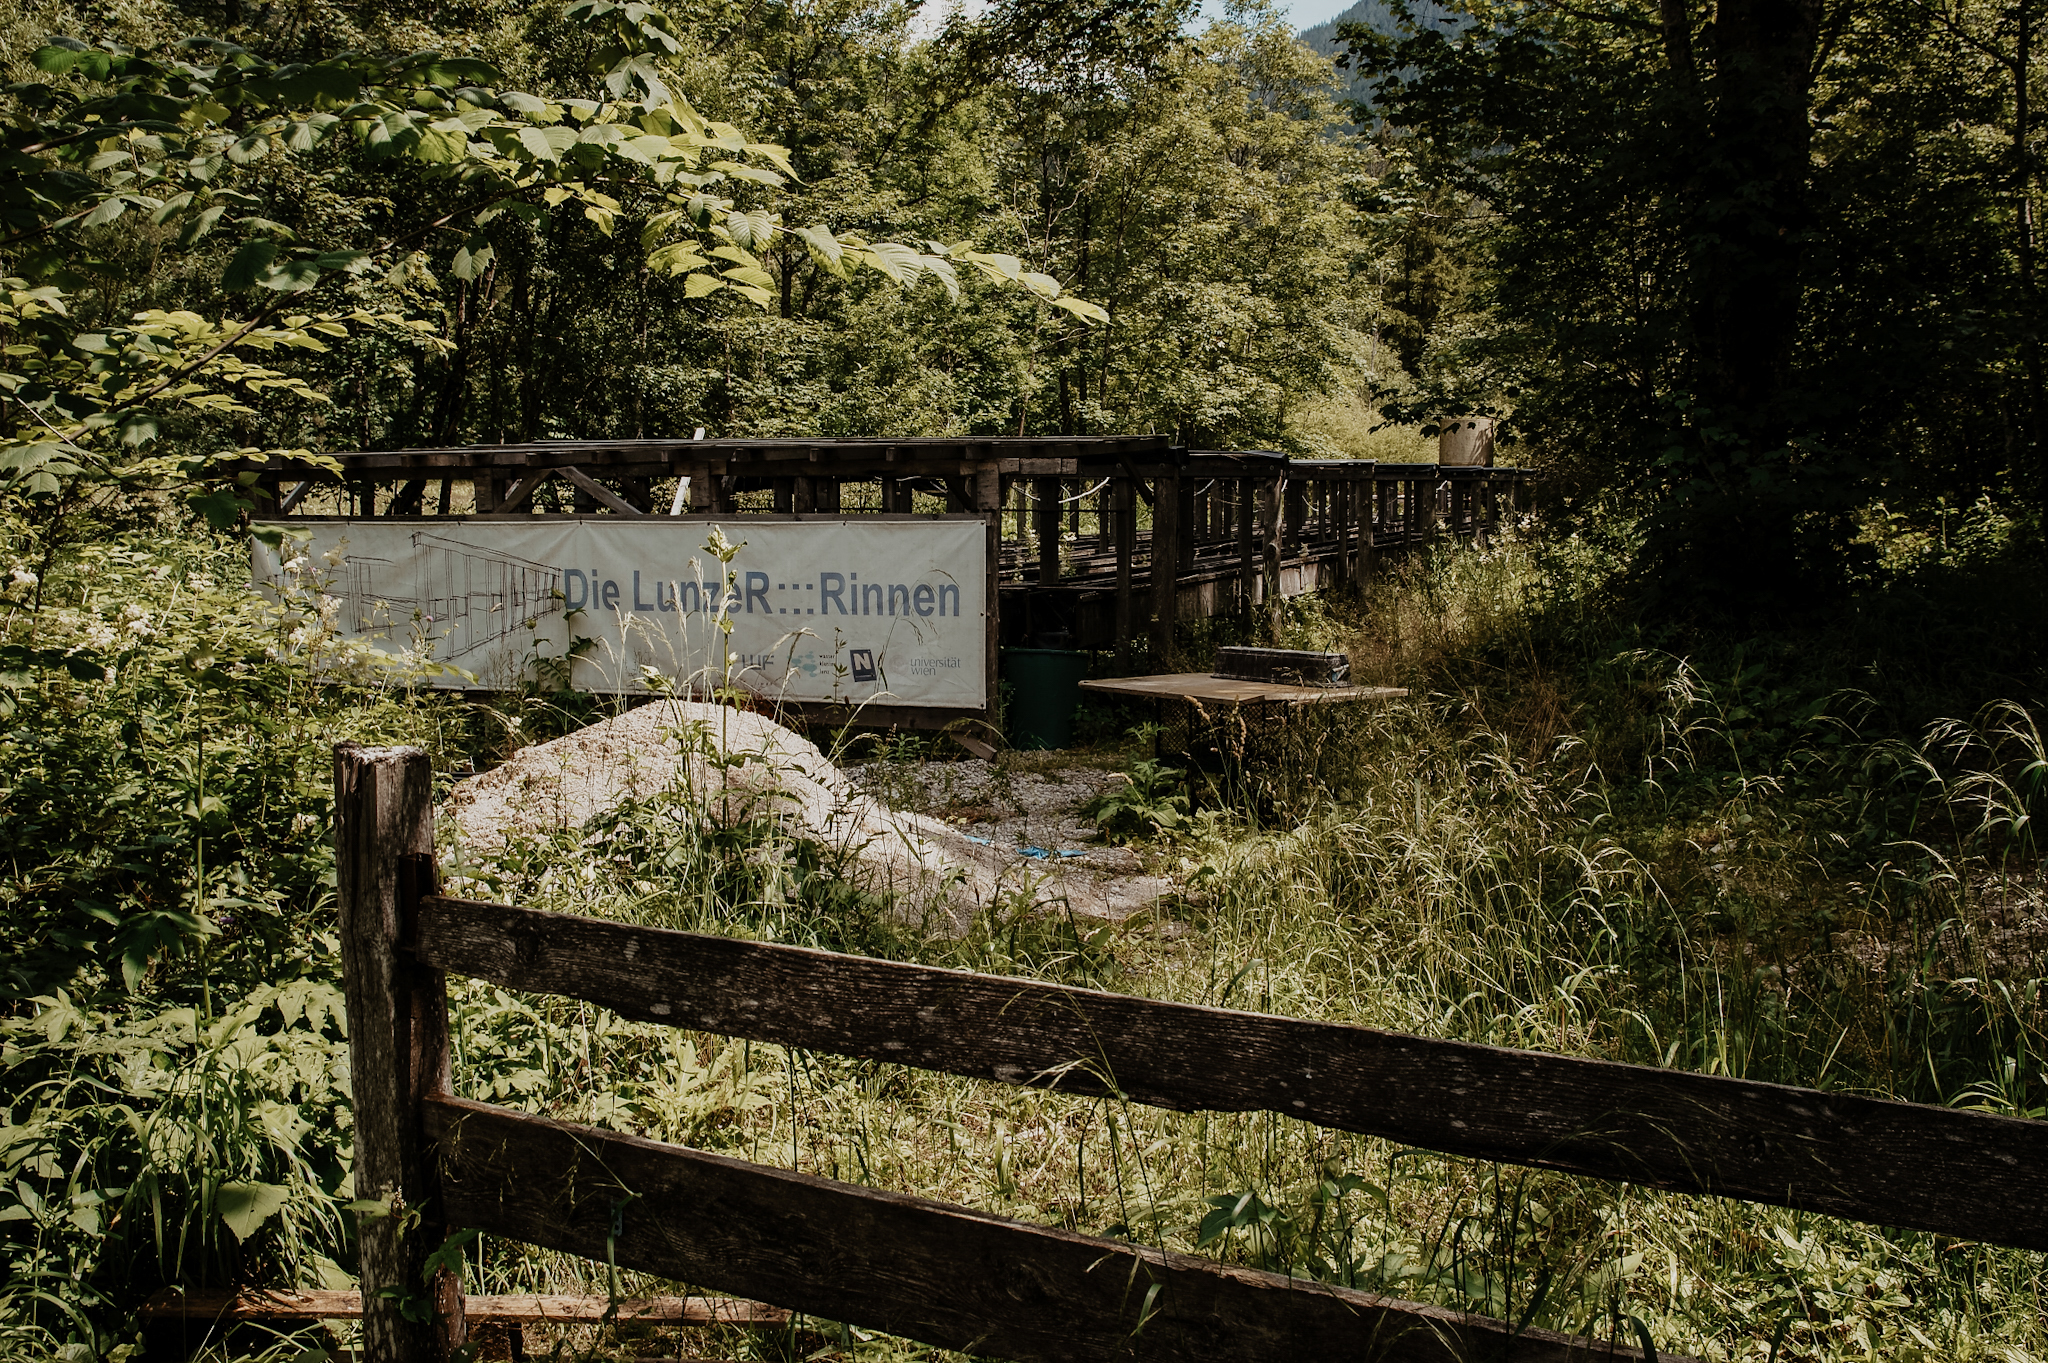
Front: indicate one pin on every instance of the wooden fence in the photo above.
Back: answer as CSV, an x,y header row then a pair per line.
x,y
960,1279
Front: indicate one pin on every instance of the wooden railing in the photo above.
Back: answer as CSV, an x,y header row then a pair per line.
x,y
961,1279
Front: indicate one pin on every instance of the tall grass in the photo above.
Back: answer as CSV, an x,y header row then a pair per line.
x,y
1690,882
1572,835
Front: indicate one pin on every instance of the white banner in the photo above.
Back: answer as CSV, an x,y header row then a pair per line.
x,y
845,611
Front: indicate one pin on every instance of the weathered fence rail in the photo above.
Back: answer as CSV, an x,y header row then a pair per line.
x,y
961,1279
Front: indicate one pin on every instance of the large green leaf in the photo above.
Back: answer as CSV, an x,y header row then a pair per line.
x,y
248,265
246,1206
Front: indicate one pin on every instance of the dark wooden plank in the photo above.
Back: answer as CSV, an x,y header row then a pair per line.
x,y
928,1271
1966,1174
398,1043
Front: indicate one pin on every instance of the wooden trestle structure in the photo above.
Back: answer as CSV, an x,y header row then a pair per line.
x,y
1083,521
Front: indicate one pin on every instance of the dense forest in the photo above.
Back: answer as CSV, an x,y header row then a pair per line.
x,y
1727,757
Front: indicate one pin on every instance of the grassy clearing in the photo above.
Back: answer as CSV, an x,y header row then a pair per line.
x,y
1569,838
1473,870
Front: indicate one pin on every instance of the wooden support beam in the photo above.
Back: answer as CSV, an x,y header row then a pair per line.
x,y
782,496
1165,563
521,491
988,494
398,1047
1187,528
1960,1173
1124,503
290,501
1045,525
940,1274
1247,556
598,492
1269,519
408,500
1340,499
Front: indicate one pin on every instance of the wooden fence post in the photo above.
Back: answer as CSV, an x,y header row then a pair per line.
x,y
398,1046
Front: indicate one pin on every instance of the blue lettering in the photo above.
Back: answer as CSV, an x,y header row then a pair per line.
x,y
575,588
611,595
870,599
897,589
832,591
924,598
757,590
954,588
688,597
638,604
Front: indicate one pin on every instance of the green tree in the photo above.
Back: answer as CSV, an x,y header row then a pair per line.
x,y
1743,276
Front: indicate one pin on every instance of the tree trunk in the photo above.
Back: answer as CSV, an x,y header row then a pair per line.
x,y
1728,536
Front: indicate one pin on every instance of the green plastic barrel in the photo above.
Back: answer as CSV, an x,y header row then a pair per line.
x,y
1045,688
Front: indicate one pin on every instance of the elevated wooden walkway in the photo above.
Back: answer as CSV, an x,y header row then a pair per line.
x,y
1081,522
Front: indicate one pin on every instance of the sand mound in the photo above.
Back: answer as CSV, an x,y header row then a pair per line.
x,y
743,766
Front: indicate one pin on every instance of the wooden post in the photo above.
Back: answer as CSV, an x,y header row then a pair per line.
x,y
804,493
1185,526
1368,526
1269,515
1340,497
827,495
1126,517
782,496
398,1046
1247,558
1296,514
1047,522
1166,506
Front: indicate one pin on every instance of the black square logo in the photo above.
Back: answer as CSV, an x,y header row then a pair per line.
x,y
862,661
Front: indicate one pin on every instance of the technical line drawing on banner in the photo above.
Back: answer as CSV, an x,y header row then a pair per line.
x,y
839,612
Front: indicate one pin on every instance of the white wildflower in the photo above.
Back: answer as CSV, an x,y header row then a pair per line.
x,y
23,578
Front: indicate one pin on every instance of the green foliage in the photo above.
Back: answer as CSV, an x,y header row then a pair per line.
x,y
211,141
1152,801
1687,254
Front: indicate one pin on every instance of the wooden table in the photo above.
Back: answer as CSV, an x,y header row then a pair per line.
x,y
1200,686
1230,731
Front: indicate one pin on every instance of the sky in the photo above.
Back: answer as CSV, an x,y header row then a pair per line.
x,y
1301,13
